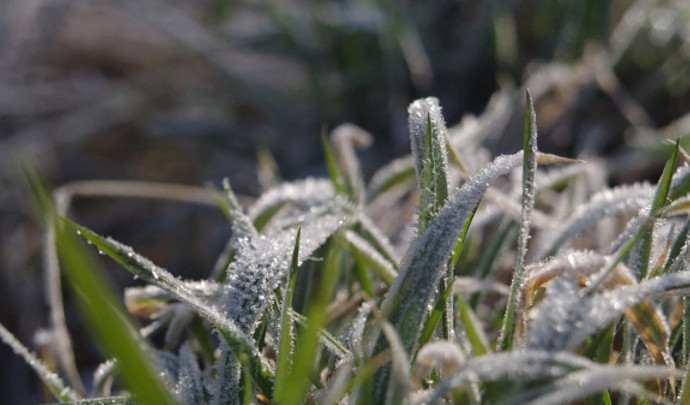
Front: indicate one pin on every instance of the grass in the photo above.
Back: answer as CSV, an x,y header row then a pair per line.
x,y
392,320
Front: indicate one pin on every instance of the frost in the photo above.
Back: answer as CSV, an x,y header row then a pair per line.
x,y
190,382
581,384
262,263
225,387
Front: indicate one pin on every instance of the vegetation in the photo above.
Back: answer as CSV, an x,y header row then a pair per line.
x,y
314,304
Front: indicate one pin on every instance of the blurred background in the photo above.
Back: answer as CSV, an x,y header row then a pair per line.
x,y
190,92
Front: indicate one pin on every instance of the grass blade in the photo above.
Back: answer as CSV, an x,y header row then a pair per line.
x,y
57,387
515,307
308,339
286,348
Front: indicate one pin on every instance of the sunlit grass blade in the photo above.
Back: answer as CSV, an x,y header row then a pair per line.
x,y
345,138
57,387
515,308
286,344
307,343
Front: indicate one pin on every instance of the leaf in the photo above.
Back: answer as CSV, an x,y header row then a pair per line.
x,y
514,311
57,387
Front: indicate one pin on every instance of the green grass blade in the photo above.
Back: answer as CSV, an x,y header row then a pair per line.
x,y
332,166
515,307
664,185
308,339
57,387
286,348
109,322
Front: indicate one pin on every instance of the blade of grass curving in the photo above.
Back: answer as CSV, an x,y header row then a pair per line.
x,y
285,346
308,339
57,387
146,270
397,173
345,138
625,199
406,304
515,307
296,195
475,333
522,365
361,248
332,166
119,400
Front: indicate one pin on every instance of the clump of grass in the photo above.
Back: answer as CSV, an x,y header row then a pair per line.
x,y
318,300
